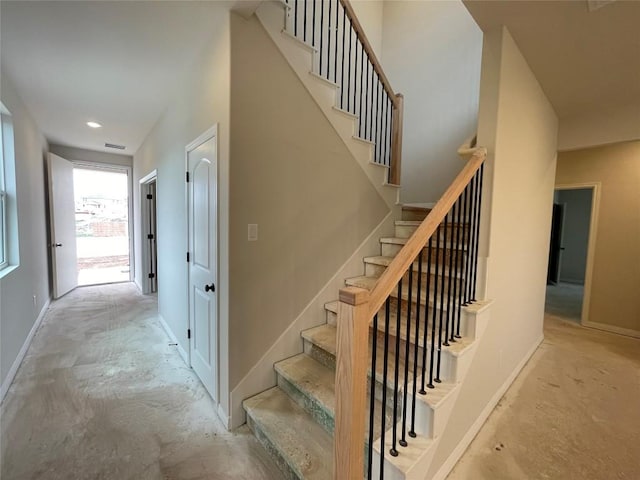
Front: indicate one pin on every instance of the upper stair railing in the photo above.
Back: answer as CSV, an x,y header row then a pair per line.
x,y
415,306
344,56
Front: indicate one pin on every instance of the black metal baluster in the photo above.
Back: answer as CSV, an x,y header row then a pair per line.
x,y
372,394
426,319
394,427
434,317
467,211
442,280
304,23
475,256
349,74
375,138
329,42
313,28
472,224
344,31
383,126
335,53
416,340
361,88
366,100
442,301
321,33
407,342
295,19
450,299
460,267
455,323
385,368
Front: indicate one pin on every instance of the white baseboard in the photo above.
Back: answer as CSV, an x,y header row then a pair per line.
x,y
173,338
4,388
464,443
612,329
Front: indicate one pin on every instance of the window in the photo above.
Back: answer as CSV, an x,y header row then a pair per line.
x,y
8,220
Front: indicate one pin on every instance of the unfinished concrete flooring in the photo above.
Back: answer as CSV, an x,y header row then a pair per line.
x,y
102,395
572,414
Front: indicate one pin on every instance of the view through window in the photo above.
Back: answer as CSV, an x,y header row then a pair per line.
x,y
102,226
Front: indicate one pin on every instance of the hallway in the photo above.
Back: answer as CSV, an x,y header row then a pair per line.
x,y
101,395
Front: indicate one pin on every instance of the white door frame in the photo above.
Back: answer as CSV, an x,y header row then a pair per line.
x,y
144,218
591,241
111,167
210,133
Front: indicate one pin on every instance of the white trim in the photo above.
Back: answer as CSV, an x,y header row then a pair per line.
x,y
150,176
6,384
464,443
591,241
224,418
612,329
143,189
173,338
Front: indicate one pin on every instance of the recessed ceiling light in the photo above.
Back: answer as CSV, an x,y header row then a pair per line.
x,y
94,124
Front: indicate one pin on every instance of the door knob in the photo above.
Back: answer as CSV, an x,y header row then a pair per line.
x,y
57,244
210,288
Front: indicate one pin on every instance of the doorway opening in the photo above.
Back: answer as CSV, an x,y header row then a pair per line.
x,y
148,217
571,252
102,224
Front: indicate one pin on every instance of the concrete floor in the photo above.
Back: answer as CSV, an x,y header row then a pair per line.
x,y
572,414
101,395
565,300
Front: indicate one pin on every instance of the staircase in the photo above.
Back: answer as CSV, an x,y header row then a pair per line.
x,y
295,419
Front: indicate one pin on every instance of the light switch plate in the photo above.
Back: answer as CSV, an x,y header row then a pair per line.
x,y
252,231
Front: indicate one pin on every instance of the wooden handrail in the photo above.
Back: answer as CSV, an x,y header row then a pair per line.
x,y
355,23
394,272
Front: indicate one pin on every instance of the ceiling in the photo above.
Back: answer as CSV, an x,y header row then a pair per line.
x,y
586,61
116,63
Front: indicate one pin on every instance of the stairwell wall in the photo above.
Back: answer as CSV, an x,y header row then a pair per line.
x,y
291,174
519,128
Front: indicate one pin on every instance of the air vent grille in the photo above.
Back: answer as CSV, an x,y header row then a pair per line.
x,y
113,145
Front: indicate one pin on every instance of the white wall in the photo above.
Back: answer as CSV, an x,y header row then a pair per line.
x,y
600,128
431,53
84,155
18,310
517,205
201,101
370,16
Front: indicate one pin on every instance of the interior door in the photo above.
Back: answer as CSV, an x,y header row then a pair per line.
x,y
203,261
555,249
63,226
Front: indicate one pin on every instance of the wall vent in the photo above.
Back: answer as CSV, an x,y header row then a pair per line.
x,y
113,145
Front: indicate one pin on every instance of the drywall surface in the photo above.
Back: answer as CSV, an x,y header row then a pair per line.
x,y
370,16
517,205
292,175
200,101
599,128
91,156
18,309
616,266
575,233
431,52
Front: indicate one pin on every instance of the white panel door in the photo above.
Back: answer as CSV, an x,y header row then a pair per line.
x,y
63,226
203,259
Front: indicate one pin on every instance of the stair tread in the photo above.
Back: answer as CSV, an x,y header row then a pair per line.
x,y
403,241
282,421
324,336
416,223
385,261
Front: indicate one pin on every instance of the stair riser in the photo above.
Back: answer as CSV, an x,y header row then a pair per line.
x,y
274,452
437,255
405,231
372,269
321,415
414,215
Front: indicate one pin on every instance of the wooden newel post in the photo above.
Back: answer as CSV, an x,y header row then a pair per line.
x,y
352,347
396,140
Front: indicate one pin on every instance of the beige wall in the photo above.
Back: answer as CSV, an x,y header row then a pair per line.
x,y
18,310
616,266
440,84
518,126
201,100
293,176
370,16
